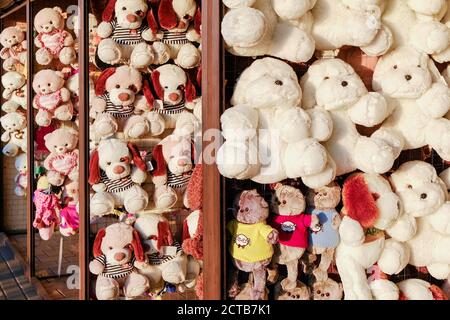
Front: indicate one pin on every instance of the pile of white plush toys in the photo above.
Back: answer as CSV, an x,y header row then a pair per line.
x,y
303,124
14,121
145,128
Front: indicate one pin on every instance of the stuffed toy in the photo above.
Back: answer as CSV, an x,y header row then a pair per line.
x,y
252,241
174,94
63,159
327,290
124,32
424,197
173,158
52,99
94,39
117,249
179,26
333,85
72,84
15,133
21,179
292,224
114,178
417,24
69,218
410,289
166,260
52,41
94,139
266,107
300,292
370,208
445,177
118,105
47,204
15,91
245,291
14,50
419,97
278,28
322,203
355,23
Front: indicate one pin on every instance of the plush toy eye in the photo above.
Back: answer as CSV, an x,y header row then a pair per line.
x,y
279,83
327,294
418,66
247,209
395,67
319,292
66,144
132,88
108,163
48,84
326,78
325,194
140,13
181,87
124,8
117,86
110,248
51,22
187,17
284,202
409,186
124,159
166,87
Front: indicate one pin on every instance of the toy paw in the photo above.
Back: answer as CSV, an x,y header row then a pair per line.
x,y
67,56
107,293
188,57
135,204
108,52
157,125
320,275
43,57
161,52
142,56
374,155
105,127
138,130
166,200
287,284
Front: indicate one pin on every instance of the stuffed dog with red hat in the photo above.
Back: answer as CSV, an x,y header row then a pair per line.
x,y
115,180
118,105
117,249
179,26
173,94
124,32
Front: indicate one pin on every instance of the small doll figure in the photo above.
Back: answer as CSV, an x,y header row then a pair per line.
x,y
47,208
322,203
292,223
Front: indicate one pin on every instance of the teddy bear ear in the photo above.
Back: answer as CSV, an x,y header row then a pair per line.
x,y
59,10
100,86
97,248
108,13
166,15
59,74
157,85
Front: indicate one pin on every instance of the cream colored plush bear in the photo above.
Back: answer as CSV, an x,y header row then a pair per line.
x,y
279,28
269,137
15,91
416,23
425,198
333,85
15,133
419,98
14,50
357,23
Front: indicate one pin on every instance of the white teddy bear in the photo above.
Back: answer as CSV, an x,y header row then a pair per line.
x,y
269,137
357,23
15,91
370,208
279,28
419,97
333,85
416,23
21,179
424,197
15,133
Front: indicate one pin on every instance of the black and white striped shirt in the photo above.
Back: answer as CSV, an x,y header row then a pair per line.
x,y
172,109
115,186
116,271
125,36
155,259
174,38
178,181
117,111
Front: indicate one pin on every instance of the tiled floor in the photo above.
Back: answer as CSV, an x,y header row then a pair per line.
x,y
47,253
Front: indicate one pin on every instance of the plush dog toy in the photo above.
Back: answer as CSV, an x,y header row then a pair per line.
x,y
370,208
52,40
425,199
15,91
15,134
356,23
173,158
419,97
114,179
252,242
279,28
63,159
269,137
322,203
174,94
52,99
179,26
21,179
124,32
117,249
14,48
118,105
292,224
333,85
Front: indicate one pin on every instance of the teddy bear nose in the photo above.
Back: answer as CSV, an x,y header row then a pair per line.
x,y
408,77
423,196
181,25
119,256
173,96
131,18
119,169
182,162
344,83
124,97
